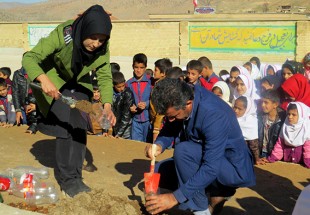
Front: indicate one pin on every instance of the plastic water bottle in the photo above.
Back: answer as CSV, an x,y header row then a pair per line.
x,y
104,122
17,172
43,198
5,183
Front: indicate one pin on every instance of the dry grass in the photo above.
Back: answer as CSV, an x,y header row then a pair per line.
x,y
59,10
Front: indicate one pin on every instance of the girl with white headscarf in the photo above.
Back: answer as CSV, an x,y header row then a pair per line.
x,y
293,144
250,90
222,90
245,109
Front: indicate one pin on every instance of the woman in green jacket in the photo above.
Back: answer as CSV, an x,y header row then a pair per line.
x,y
61,63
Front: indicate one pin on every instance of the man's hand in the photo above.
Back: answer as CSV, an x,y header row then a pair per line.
x,y
148,150
158,203
19,117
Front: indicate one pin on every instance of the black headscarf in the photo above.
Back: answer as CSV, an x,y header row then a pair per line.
x,y
93,21
273,80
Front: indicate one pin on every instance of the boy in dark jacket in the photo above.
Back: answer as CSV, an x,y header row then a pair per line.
x,y
122,101
24,102
269,122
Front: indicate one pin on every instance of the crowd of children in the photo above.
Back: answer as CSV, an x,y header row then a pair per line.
x,y
271,102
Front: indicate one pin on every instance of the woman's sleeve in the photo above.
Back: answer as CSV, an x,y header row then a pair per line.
x,y
277,152
306,153
32,59
104,77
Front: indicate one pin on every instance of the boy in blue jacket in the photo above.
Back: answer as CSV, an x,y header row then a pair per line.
x,y
141,87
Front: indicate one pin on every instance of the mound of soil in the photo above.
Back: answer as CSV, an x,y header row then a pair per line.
x,y
96,202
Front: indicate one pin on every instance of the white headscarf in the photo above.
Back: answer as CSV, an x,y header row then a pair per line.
x,y
225,90
248,122
251,90
276,67
255,73
297,134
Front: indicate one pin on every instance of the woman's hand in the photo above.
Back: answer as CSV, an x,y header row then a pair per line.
x,y
108,110
48,87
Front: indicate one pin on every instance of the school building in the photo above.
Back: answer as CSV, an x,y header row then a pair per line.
x,y
227,39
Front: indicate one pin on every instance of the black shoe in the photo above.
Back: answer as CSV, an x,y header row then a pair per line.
x,y
89,167
83,187
71,188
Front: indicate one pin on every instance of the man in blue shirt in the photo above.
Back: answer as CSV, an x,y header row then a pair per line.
x,y
210,155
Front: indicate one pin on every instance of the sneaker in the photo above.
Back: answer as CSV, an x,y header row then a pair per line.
x,y
89,167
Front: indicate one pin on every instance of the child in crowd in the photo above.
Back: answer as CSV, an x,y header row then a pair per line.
x,y
149,73
293,144
122,101
253,70
235,71
7,110
95,127
156,120
245,86
224,75
24,102
296,88
221,89
260,66
115,67
271,70
245,110
270,82
141,87
176,73
290,68
5,73
207,72
194,69
306,64
270,121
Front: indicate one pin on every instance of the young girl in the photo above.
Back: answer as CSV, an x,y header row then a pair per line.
x,y
297,89
245,86
306,63
221,89
245,110
293,144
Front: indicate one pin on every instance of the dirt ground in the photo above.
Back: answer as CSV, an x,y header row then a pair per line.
x,y
118,183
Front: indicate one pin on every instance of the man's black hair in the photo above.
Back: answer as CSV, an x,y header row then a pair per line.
x,y
140,58
163,65
118,78
195,65
272,95
171,92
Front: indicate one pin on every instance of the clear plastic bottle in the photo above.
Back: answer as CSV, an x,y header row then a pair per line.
x,y
50,196
104,122
17,172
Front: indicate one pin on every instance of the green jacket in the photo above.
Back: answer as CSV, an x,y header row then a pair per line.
x,y
52,56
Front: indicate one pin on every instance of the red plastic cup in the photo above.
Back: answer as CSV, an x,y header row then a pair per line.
x,y
4,183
